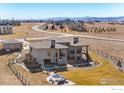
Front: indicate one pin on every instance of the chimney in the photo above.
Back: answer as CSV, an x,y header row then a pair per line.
x,y
52,43
76,40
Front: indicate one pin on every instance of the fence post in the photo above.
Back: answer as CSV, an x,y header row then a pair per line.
x,y
25,81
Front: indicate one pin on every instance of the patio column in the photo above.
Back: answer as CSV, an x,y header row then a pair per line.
x,y
58,55
75,54
66,54
87,52
81,54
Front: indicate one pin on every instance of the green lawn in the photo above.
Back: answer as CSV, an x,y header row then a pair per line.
x,y
106,74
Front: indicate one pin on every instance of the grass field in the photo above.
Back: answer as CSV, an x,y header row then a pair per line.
x,y
26,31
106,74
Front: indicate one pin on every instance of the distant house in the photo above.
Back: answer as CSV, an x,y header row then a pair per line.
x,y
5,29
49,54
11,45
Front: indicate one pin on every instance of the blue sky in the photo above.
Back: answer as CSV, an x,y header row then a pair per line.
x,y
35,10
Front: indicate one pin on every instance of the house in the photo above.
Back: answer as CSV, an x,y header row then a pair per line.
x,y
5,29
49,54
57,52
77,50
11,45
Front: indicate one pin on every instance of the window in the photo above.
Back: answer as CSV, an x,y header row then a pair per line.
x,y
72,51
48,52
78,51
62,53
4,27
31,49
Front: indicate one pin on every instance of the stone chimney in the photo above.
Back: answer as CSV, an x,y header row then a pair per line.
x,y
52,43
76,40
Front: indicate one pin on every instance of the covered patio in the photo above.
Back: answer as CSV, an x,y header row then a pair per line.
x,y
58,61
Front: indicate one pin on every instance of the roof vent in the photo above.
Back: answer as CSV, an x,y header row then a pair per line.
x,y
76,40
52,43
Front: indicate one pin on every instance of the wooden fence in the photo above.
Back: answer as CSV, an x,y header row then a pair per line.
x,y
114,59
16,72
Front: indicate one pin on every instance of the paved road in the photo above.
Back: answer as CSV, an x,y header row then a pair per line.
x,y
37,29
83,36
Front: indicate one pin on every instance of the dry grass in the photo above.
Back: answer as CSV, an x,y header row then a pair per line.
x,y
119,34
107,72
25,31
14,35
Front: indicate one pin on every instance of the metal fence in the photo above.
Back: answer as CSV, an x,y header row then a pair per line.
x,y
16,72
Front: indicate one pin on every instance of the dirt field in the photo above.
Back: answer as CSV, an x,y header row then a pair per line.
x,y
6,75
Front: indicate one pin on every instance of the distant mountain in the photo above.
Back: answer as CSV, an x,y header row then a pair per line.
x,y
102,19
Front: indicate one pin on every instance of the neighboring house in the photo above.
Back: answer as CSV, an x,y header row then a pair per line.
x,y
11,45
49,54
5,29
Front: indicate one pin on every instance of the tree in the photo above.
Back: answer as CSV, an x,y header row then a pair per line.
x,y
46,27
53,27
61,26
108,29
102,30
119,64
91,30
114,29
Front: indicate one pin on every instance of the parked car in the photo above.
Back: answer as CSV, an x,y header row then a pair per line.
x,y
57,79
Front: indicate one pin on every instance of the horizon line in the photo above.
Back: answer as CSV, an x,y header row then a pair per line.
x,y
59,17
